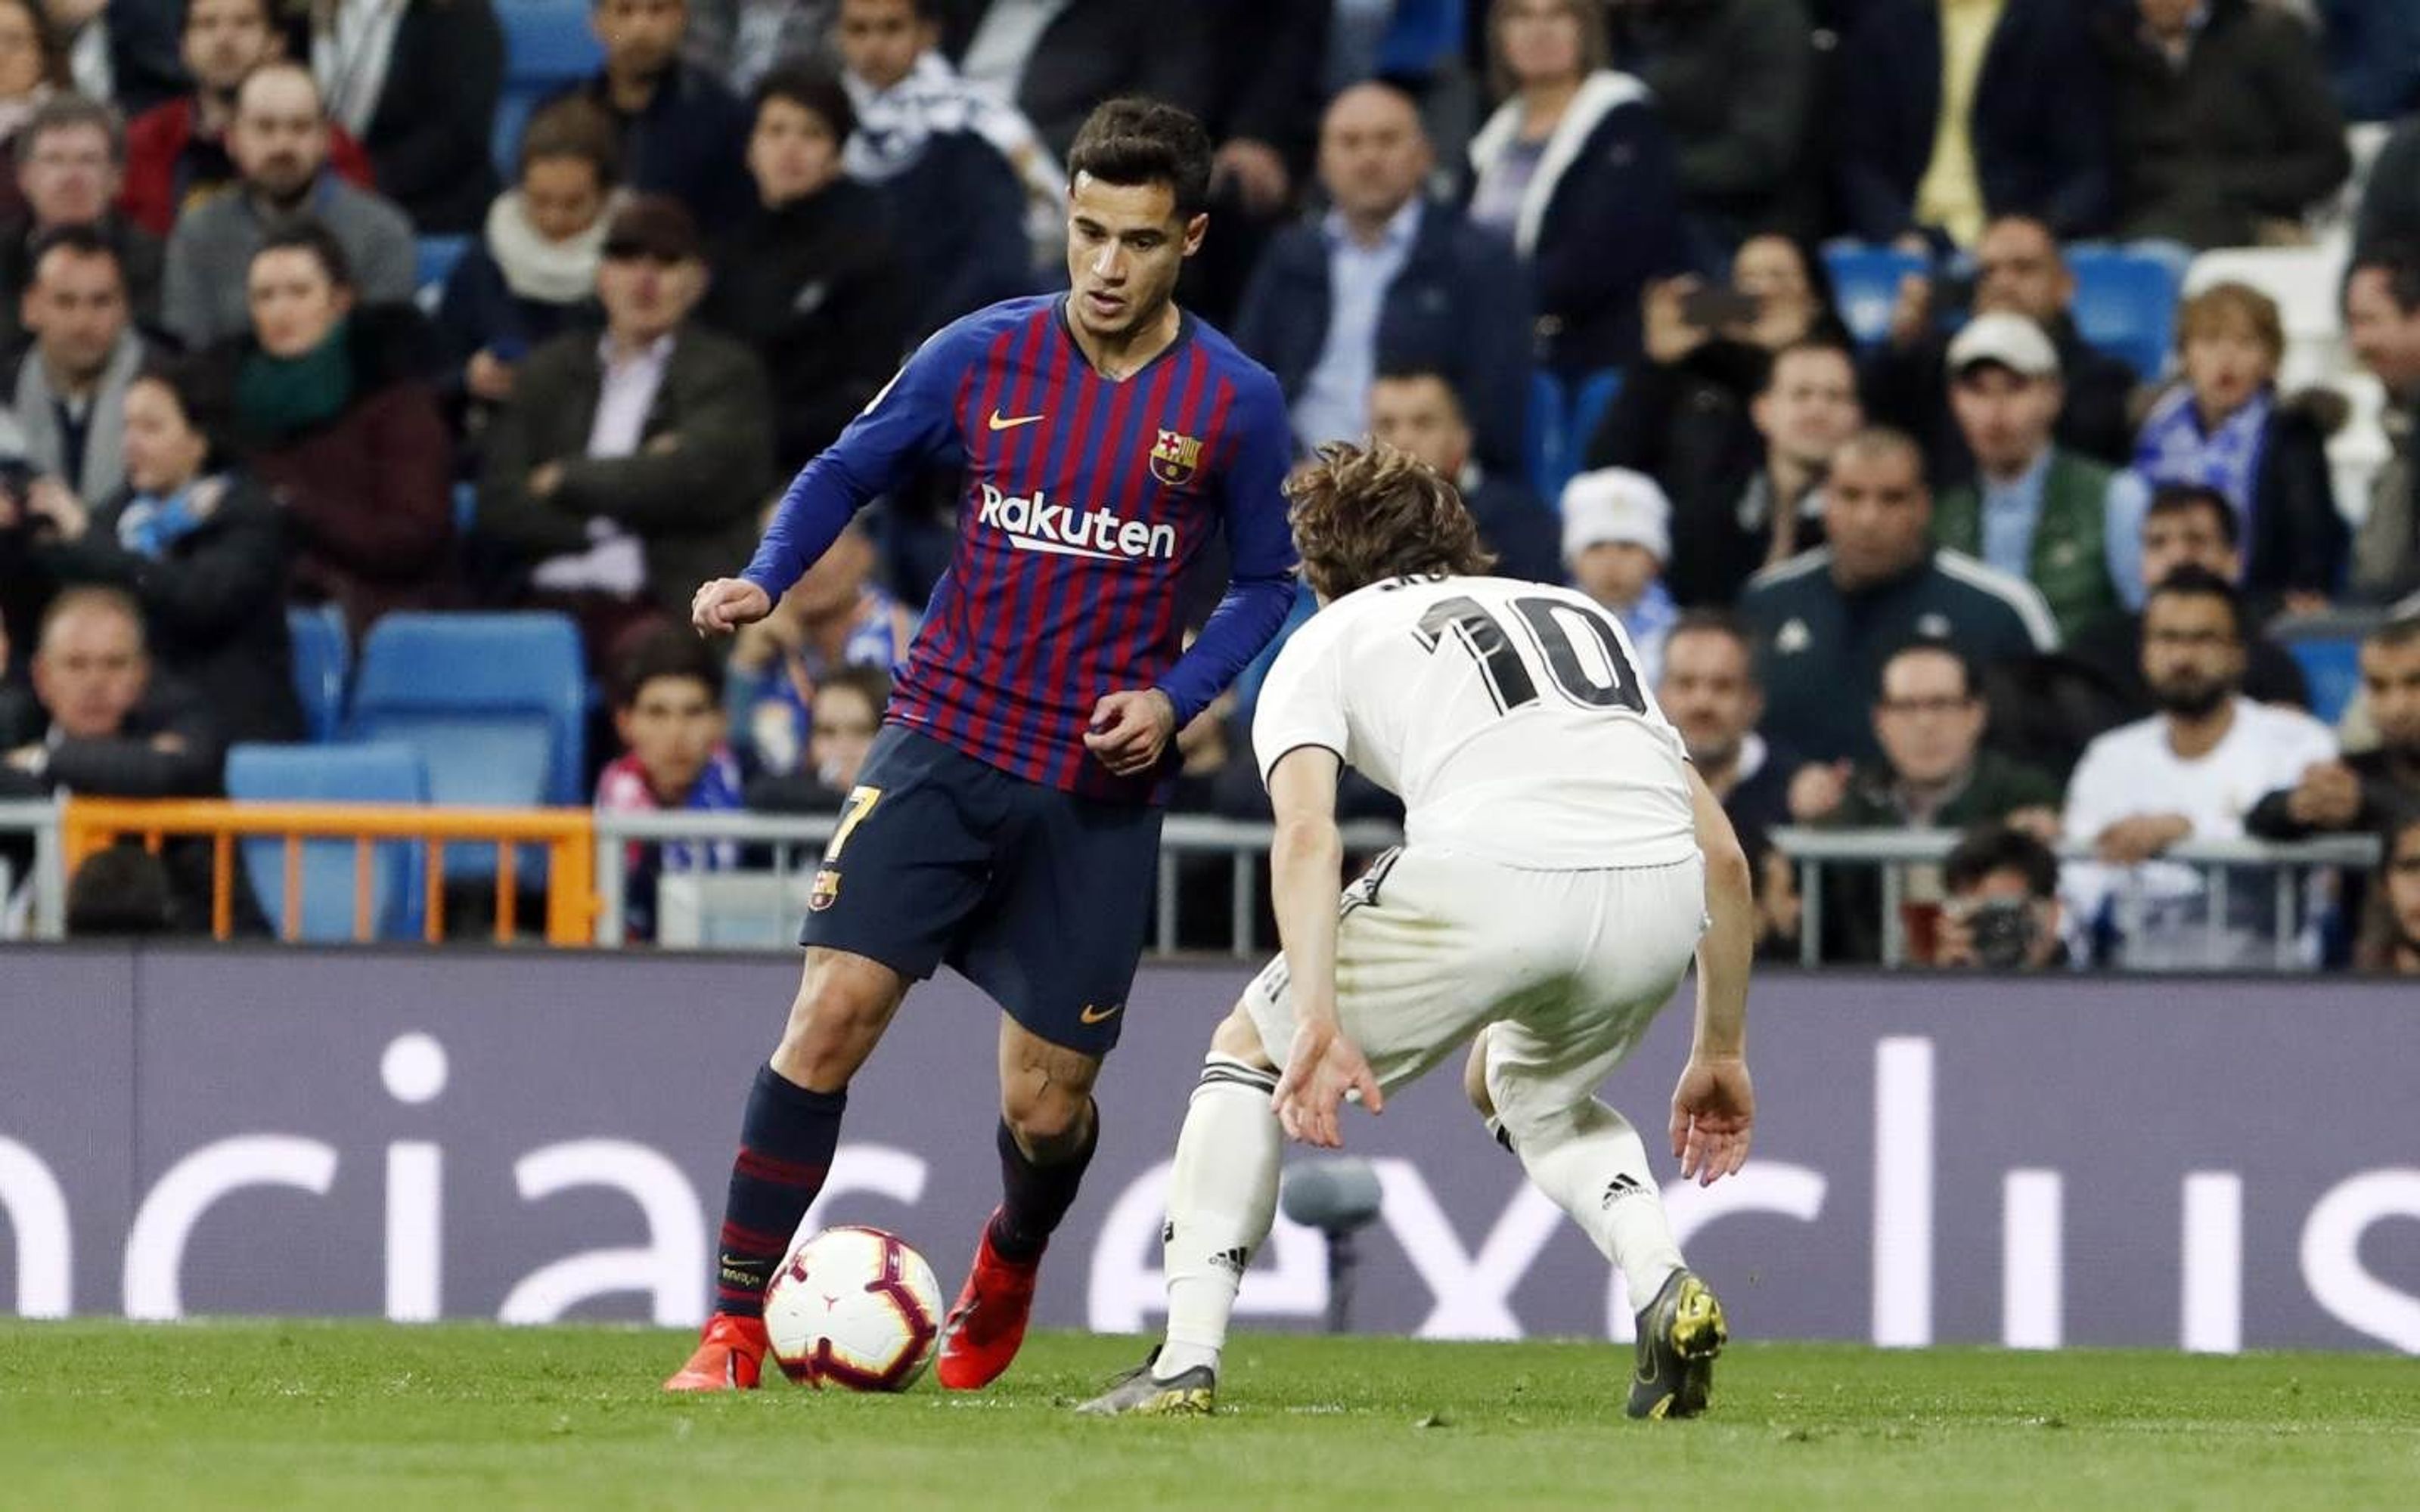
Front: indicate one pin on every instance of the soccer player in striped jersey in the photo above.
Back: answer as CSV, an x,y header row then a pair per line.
x,y
1006,821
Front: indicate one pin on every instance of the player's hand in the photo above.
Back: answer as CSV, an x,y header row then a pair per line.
x,y
725,604
1712,1111
1129,731
1321,1069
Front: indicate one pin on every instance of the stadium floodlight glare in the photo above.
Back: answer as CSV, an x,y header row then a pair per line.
x,y
1338,1195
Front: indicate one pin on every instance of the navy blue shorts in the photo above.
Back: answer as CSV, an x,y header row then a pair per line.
x,y
1039,897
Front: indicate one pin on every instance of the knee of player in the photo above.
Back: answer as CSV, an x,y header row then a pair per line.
x,y
1048,1119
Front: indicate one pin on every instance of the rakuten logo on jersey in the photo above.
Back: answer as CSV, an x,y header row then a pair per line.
x,y
1036,524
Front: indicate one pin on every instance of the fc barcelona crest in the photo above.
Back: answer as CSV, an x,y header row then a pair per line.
x,y
1175,459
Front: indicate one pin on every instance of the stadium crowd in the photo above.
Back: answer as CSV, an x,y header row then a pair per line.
x,y
281,335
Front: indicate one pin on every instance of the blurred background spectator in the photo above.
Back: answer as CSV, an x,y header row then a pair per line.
x,y
32,70
98,719
2391,940
835,616
177,151
2381,314
1952,111
628,467
332,413
2362,790
1388,279
198,546
1054,61
416,81
681,129
810,277
739,41
667,720
279,141
2222,131
2002,911
843,715
69,396
120,892
1617,536
531,273
1418,410
1575,168
2373,55
70,160
119,50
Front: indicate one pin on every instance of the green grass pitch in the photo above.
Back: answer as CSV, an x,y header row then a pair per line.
x,y
325,1416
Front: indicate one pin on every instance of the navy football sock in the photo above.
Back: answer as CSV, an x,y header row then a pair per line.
x,y
786,1140
1034,1197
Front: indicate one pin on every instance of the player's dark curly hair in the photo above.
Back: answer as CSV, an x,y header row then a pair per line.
x,y
1363,515
1136,141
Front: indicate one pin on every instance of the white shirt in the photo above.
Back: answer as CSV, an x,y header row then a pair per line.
x,y
1508,717
2134,770
614,562
1334,405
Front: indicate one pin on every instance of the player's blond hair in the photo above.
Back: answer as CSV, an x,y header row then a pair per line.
x,y
1363,515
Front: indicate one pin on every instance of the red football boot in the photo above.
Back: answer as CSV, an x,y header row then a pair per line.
x,y
988,1323
730,1356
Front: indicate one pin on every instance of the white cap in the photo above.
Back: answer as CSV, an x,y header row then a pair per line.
x,y
2010,340
1614,504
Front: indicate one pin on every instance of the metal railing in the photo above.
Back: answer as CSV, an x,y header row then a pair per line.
x,y
1892,850
40,819
1244,844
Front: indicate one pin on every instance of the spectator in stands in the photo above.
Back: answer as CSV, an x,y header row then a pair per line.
x,y
810,277
1824,621
670,726
2222,131
2190,771
1806,408
2002,913
2371,789
2390,197
280,142
416,81
1954,113
2382,310
844,714
1388,279
2036,510
70,160
1684,415
739,41
2225,425
2373,56
199,546
122,50
1711,694
835,616
2391,940
120,892
32,70
176,153
1417,410
1055,62
932,149
98,719
681,133
531,273
332,413
70,393
1733,81
627,464
1576,169
2018,271
2184,524
1617,536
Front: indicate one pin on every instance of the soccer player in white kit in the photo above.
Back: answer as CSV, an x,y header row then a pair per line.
x,y
1562,863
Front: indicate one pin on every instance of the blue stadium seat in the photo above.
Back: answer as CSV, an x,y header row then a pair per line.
x,y
323,656
1865,285
496,703
548,45
2126,305
341,774
2332,665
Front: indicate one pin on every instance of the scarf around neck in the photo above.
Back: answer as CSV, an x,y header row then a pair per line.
x,y
535,269
104,437
2174,448
279,396
149,524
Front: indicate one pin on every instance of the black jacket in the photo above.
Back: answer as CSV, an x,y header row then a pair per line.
x,y
690,141
213,606
2387,798
2245,131
2038,124
1910,389
2297,540
1096,50
816,288
1460,304
169,748
1686,426
429,139
963,209
1734,81
1522,530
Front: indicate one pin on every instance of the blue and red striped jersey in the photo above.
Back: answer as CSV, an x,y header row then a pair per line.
x,y
1085,499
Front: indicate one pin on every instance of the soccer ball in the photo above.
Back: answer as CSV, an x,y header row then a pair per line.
x,y
856,1308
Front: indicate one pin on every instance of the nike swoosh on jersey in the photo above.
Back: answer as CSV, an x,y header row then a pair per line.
x,y
1091,1015
1000,422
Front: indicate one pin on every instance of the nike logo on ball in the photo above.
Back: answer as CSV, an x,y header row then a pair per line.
x,y
1000,422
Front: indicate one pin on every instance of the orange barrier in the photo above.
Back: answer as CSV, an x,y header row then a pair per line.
x,y
567,833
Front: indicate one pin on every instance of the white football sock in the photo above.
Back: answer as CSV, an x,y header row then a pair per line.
x,y
1222,1196
1595,1168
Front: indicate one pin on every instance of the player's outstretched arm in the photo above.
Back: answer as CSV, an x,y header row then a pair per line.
x,y
1713,1108
1324,1064
725,604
